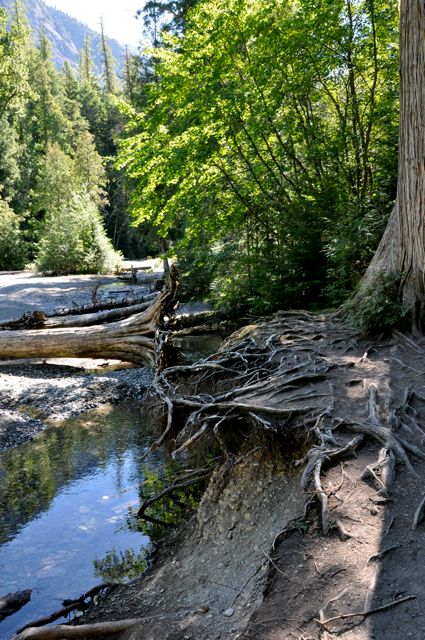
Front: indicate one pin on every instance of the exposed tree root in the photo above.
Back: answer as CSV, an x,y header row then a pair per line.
x,y
419,514
278,388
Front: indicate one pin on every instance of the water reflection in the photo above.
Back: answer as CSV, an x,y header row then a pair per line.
x,y
64,500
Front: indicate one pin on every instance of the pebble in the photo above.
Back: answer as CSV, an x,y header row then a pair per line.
x,y
229,612
203,609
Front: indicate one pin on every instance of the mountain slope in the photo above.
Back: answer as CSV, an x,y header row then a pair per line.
x,y
66,34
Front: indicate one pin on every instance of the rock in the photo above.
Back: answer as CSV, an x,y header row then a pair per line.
x,y
202,609
229,612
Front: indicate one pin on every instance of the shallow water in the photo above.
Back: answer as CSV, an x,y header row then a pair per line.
x,y
198,347
64,501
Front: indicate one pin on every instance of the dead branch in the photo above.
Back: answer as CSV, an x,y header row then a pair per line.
x,y
172,488
79,603
363,614
324,632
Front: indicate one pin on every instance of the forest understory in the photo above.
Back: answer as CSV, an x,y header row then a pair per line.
x,y
311,525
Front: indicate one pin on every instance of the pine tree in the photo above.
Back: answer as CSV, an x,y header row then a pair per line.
x,y
12,246
86,67
72,237
89,168
130,76
109,75
50,122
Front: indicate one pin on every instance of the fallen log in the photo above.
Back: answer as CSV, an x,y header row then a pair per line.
x,y
131,339
12,602
81,316
98,317
104,306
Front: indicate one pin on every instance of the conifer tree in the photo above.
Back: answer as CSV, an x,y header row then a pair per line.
x,y
109,76
86,67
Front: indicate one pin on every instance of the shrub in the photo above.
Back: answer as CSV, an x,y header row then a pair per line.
x,y
73,240
379,309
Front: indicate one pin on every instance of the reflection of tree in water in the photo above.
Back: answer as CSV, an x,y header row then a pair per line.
x,y
170,510
31,475
117,566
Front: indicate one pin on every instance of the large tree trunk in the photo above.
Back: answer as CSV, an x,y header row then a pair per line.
x,y
401,251
131,339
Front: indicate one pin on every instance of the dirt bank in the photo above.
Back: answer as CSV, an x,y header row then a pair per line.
x,y
229,574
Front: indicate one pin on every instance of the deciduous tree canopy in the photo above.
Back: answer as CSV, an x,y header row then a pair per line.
x,y
266,145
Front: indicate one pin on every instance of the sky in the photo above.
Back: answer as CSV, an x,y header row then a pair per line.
x,y
118,16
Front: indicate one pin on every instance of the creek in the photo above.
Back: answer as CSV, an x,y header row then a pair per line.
x,y
64,504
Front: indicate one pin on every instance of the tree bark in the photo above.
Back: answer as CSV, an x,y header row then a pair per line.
x,y
401,251
99,317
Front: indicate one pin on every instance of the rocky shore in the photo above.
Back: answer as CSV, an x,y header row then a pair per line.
x,y
36,393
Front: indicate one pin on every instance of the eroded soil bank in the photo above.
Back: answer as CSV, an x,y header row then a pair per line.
x,y
252,563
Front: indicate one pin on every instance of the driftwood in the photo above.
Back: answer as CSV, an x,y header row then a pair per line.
x,y
63,632
131,338
12,602
97,317
69,606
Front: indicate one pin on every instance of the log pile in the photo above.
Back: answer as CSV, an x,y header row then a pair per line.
x,y
125,333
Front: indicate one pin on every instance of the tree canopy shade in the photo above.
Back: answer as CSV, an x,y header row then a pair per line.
x,y
266,145
401,252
